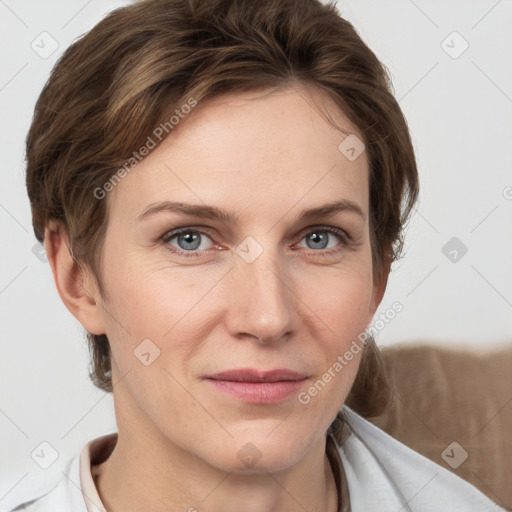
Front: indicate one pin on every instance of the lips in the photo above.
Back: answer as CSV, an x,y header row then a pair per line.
x,y
257,386
252,375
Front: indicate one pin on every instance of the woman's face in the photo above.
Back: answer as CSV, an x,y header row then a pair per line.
x,y
267,287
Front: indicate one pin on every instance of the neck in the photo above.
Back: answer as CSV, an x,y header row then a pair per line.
x,y
145,476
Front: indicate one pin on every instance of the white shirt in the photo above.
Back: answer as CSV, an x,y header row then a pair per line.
x,y
382,475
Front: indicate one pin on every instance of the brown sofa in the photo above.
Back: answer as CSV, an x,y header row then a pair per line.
x,y
455,407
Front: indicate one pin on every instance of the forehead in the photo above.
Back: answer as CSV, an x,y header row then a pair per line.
x,y
245,147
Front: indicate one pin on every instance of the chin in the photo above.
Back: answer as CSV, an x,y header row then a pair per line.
x,y
261,452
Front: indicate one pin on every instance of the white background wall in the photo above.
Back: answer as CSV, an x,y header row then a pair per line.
x,y
459,111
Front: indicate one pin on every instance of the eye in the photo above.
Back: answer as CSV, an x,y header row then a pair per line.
x,y
190,242
322,238
187,241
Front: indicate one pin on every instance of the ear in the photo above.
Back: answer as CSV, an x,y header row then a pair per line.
x,y
72,281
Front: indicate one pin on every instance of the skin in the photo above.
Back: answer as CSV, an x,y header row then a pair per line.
x,y
265,157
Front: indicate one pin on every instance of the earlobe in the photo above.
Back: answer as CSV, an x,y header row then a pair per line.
x,y
69,279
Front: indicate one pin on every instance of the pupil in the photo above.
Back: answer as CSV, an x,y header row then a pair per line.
x,y
319,238
191,240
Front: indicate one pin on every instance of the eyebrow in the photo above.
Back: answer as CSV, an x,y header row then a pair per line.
x,y
214,213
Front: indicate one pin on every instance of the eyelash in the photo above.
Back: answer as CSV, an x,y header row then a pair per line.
x,y
343,236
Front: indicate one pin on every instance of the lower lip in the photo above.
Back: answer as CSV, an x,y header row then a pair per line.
x,y
258,392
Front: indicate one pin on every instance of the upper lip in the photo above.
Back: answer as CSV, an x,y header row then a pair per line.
x,y
254,375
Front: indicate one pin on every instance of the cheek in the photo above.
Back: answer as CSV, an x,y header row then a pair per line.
x,y
341,297
154,301
341,303
342,314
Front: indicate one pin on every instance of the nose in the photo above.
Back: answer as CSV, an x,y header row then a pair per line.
x,y
261,299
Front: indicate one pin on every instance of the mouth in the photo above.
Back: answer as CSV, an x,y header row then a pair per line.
x,y
257,386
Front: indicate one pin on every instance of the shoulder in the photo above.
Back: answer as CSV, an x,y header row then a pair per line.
x,y
60,491
381,471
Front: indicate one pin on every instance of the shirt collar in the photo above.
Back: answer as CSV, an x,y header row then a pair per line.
x,y
93,454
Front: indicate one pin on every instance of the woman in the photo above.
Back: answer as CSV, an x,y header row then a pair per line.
x,y
221,188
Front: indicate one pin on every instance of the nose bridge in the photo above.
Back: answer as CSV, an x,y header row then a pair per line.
x,y
264,301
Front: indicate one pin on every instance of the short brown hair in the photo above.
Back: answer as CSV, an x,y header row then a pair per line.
x,y
117,82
